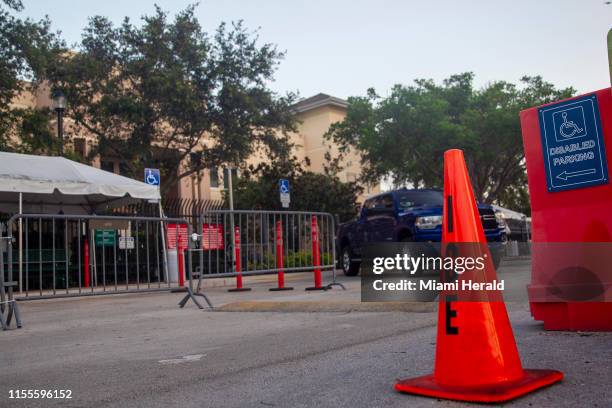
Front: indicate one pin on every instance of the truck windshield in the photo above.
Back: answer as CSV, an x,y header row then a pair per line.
x,y
411,199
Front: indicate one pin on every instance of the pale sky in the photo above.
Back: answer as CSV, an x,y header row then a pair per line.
x,y
342,47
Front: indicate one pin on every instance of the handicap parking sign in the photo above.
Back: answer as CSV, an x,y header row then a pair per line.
x,y
152,177
569,124
573,144
285,193
284,186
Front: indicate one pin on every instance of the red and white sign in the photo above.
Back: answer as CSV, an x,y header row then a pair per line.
x,y
212,236
183,238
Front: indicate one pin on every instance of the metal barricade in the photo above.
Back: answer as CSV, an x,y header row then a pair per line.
x,y
81,255
242,242
8,305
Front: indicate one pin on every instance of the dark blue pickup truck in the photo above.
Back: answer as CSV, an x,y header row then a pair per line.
x,y
406,216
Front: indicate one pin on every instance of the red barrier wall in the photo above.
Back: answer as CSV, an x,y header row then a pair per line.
x,y
578,214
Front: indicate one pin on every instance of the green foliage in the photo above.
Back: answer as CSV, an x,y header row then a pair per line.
x,y
27,49
293,259
165,93
297,258
404,135
257,189
268,262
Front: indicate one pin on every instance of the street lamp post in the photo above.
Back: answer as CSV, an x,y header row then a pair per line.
x,y
59,105
232,224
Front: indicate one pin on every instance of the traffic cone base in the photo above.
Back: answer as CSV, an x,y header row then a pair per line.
x,y
279,289
239,290
317,288
531,381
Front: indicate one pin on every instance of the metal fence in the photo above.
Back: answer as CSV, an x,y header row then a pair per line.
x,y
77,255
242,242
186,208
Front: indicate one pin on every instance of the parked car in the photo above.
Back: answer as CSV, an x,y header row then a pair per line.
x,y
406,215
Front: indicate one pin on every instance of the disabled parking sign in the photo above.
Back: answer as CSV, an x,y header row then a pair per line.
x,y
285,192
573,144
152,177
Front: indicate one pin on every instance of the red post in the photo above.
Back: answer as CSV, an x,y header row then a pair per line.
x,y
280,262
316,254
86,262
181,266
238,287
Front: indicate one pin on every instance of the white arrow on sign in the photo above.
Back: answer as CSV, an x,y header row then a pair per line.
x,y
568,174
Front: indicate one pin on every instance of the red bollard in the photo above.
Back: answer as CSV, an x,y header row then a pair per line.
x,y
86,262
238,287
279,258
181,266
316,255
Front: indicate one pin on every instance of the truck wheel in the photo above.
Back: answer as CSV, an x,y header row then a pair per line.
x,y
349,267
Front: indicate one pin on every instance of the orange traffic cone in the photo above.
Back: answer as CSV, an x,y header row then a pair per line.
x,y
476,355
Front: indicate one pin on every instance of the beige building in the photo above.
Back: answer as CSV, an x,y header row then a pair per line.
x,y
314,116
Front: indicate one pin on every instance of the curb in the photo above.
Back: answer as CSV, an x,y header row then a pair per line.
x,y
303,306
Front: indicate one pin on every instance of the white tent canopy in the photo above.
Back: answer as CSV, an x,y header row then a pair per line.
x,y
509,214
54,184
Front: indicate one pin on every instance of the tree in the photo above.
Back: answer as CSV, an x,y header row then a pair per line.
x,y
27,48
166,94
257,189
404,135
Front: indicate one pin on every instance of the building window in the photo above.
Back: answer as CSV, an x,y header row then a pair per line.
x,y
214,177
80,148
225,178
235,173
124,169
107,165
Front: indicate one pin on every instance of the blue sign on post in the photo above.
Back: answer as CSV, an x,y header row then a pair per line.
x,y
152,177
573,144
283,185
285,193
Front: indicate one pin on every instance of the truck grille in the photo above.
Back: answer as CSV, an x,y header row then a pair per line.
x,y
487,217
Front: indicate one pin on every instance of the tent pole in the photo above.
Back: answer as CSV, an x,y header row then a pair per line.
x,y
20,244
92,239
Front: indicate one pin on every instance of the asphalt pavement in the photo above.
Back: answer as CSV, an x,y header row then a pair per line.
x,y
141,350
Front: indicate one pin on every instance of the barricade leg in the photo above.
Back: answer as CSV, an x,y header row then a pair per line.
x,y
13,311
191,294
333,282
7,302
